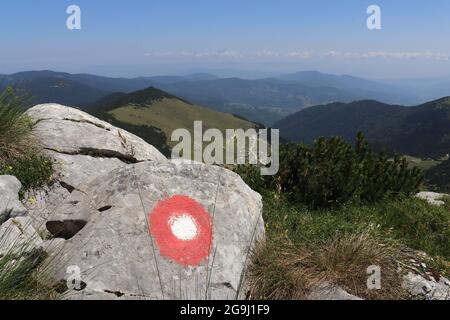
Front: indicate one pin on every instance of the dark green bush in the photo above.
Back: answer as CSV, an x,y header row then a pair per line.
x,y
438,177
332,172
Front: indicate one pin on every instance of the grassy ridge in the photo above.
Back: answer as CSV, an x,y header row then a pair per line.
x,y
170,114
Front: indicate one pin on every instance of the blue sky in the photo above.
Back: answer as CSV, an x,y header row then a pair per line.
x,y
147,37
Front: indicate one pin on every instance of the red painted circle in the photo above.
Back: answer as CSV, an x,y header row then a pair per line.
x,y
185,252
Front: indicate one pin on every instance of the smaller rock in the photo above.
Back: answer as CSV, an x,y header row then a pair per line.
x,y
18,237
327,291
10,206
432,197
421,288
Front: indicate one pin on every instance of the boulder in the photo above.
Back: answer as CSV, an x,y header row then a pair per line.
x,y
432,197
82,147
71,131
10,206
429,289
160,230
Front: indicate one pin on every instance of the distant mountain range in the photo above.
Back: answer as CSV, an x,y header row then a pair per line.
x,y
262,100
303,105
422,131
425,89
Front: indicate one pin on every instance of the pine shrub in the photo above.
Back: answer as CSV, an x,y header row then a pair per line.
x,y
332,172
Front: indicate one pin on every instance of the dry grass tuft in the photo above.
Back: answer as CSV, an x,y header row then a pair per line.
x,y
282,270
15,127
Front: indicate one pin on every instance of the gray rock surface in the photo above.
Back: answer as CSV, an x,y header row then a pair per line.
x,y
10,206
428,289
432,197
107,225
53,247
327,291
72,131
74,170
42,203
82,148
18,237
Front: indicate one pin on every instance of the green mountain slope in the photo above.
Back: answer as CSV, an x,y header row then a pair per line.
x,y
422,131
155,114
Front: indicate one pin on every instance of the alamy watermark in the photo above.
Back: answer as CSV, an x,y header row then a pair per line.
x,y
374,20
238,146
374,279
73,281
73,22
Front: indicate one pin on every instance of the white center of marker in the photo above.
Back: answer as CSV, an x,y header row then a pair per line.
x,y
183,227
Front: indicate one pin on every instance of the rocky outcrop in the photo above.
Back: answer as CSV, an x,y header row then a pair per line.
x,y
427,288
82,147
136,225
10,206
432,197
172,230
17,234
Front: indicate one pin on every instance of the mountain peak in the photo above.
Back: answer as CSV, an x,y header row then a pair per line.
x,y
146,96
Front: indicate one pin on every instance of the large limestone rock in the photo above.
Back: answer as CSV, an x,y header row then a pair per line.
x,y
109,239
72,131
18,237
10,206
432,197
429,289
83,148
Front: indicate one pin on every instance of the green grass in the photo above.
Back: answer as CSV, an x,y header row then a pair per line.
x,y
305,247
26,277
19,155
32,170
15,127
23,272
411,221
25,269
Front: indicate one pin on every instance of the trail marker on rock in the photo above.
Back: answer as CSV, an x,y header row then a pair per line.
x,y
182,229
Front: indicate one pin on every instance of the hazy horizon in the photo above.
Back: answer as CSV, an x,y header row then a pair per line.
x,y
267,37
